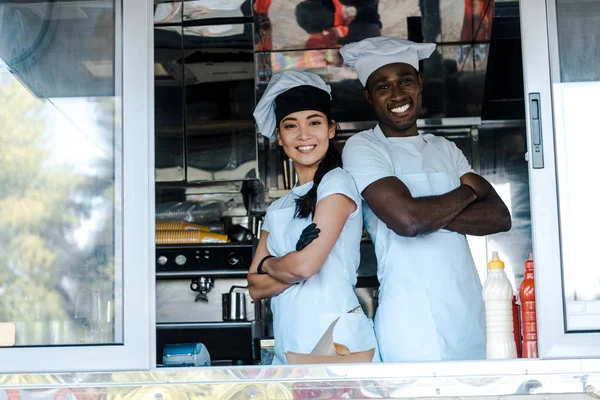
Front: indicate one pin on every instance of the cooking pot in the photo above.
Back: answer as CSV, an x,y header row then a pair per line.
x,y
234,304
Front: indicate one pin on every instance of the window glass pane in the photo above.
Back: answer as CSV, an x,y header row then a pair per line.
x,y
576,90
219,88
60,205
285,25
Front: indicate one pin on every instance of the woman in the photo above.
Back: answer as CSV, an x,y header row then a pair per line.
x,y
309,249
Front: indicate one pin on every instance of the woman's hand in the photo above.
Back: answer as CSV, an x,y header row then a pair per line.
x,y
310,233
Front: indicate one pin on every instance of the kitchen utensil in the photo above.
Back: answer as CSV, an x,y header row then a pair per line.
x,y
186,355
202,285
234,304
237,233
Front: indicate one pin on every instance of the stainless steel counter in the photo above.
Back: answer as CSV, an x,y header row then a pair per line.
x,y
551,379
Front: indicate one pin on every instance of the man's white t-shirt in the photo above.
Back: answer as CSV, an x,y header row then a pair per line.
x,y
430,302
368,159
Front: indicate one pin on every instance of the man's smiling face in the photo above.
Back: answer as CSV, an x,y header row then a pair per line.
x,y
394,91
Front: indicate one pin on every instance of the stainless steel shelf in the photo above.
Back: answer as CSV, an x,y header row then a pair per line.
x,y
204,325
217,273
421,123
205,246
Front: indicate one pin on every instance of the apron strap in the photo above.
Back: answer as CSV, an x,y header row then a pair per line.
x,y
356,310
383,139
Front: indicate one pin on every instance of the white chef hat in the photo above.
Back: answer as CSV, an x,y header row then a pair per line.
x,y
265,114
370,54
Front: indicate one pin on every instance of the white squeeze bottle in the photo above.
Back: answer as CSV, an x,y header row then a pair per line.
x,y
497,295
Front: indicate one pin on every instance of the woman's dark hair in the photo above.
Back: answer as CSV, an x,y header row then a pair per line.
x,y
305,205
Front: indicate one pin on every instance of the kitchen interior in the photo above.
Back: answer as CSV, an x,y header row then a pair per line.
x,y
216,176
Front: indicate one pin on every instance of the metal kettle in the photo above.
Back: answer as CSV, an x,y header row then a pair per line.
x,y
234,304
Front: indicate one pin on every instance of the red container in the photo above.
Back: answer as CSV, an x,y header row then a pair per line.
x,y
516,310
528,315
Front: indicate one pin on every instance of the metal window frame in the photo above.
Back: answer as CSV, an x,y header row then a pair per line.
x,y
541,69
134,33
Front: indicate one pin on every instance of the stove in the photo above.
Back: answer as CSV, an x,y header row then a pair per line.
x,y
227,259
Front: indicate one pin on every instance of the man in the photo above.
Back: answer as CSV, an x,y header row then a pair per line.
x,y
422,198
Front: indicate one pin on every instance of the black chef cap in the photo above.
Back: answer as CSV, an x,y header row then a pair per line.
x,y
302,98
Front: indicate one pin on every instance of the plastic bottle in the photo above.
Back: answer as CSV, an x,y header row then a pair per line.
x,y
528,315
497,295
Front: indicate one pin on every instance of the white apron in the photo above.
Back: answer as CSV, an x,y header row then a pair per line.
x,y
430,301
303,312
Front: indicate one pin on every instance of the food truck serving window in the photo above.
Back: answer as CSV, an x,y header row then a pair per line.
x,y
77,187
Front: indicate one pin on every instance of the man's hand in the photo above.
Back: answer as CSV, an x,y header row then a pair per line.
x,y
310,233
480,186
486,216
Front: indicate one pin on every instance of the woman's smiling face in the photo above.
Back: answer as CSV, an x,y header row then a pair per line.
x,y
304,136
